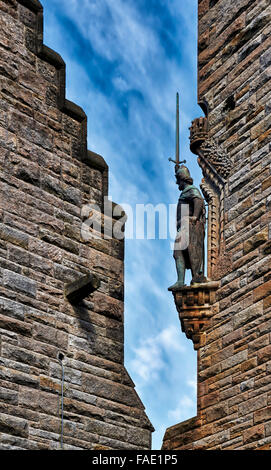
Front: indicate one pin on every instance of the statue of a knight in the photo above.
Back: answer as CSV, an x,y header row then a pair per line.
x,y
189,255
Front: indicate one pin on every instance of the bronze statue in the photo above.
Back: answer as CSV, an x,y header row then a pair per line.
x,y
191,254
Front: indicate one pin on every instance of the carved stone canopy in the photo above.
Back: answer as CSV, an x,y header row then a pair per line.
x,y
210,153
198,133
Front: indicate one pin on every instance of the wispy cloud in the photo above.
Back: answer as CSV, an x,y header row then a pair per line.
x,y
185,409
186,406
151,356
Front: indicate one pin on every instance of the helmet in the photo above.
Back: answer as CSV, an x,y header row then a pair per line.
x,y
183,173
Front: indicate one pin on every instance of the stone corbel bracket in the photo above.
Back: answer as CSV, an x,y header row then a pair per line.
x,y
79,289
194,305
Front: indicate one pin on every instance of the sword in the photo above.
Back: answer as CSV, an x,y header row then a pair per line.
x,y
177,153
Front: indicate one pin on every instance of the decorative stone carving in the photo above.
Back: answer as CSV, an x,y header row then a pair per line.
x,y
213,232
217,157
210,153
216,167
198,133
193,304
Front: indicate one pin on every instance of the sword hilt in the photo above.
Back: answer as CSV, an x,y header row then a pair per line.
x,y
176,163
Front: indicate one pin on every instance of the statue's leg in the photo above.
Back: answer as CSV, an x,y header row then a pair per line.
x,y
180,267
197,255
197,271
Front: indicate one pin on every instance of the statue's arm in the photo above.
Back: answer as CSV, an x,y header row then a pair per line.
x,y
198,207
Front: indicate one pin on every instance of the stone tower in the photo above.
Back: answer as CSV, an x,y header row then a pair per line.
x,y
61,296
229,321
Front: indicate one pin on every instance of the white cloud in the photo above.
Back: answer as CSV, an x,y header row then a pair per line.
x,y
137,50
151,355
184,410
193,384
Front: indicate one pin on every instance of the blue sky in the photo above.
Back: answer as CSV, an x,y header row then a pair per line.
x,y
125,61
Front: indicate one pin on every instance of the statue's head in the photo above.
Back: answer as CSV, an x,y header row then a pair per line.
x,y
183,177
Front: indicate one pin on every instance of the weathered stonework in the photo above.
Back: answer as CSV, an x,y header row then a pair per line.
x,y
47,175
234,363
193,304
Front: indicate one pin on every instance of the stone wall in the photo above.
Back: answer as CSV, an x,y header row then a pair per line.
x,y
46,176
234,360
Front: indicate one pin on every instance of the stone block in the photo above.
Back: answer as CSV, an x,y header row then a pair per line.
x,y
13,425
49,384
108,306
252,405
267,302
261,416
262,291
110,390
18,282
264,354
12,309
248,315
234,360
13,236
265,59
24,356
253,434
50,335
268,429
16,326
8,396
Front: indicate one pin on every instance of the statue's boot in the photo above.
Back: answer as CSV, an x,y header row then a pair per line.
x,y
177,285
180,266
200,279
197,274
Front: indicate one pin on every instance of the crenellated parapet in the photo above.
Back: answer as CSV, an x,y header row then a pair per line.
x,y
61,284
34,42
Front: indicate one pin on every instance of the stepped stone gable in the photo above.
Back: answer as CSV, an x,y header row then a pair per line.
x,y
46,320
234,344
